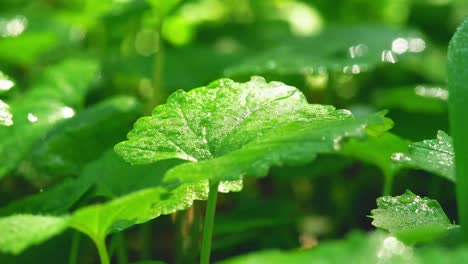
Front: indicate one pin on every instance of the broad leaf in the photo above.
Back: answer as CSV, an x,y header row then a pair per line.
x,y
31,44
348,49
55,201
49,101
357,248
419,99
115,177
229,129
77,141
410,217
21,231
435,155
377,151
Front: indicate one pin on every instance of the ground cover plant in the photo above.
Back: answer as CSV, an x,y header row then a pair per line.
x,y
217,131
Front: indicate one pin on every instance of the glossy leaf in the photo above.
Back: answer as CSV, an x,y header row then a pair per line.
x,y
346,49
229,129
435,155
20,231
79,140
410,217
49,101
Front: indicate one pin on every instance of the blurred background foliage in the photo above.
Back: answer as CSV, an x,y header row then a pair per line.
x,y
361,55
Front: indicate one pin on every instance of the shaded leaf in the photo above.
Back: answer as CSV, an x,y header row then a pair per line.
x,y
357,248
419,99
32,45
49,101
349,49
377,151
21,231
229,129
435,155
410,217
57,200
75,142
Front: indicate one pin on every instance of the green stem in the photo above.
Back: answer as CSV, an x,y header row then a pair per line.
x,y
388,183
75,246
145,236
158,93
209,223
102,250
458,107
122,255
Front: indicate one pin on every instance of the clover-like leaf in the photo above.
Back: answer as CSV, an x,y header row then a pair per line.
x,y
49,101
435,155
410,217
229,129
21,231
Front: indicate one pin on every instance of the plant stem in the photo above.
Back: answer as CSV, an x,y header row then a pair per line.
x,y
102,250
209,223
145,236
122,255
158,93
458,107
388,183
75,246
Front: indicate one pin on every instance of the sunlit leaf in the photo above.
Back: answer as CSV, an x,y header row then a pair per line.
x,y
81,139
410,217
49,101
435,155
21,231
345,49
229,129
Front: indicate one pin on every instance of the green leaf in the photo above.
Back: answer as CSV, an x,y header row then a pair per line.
x,y
21,231
410,217
77,141
377,151
419,99
48,102
6,118
6,83
357,248
98,221
350,49
435,155
32,45
56,201
115,177
229,129
163,8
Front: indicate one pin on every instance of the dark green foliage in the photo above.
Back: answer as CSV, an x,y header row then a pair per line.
x,y
120,121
